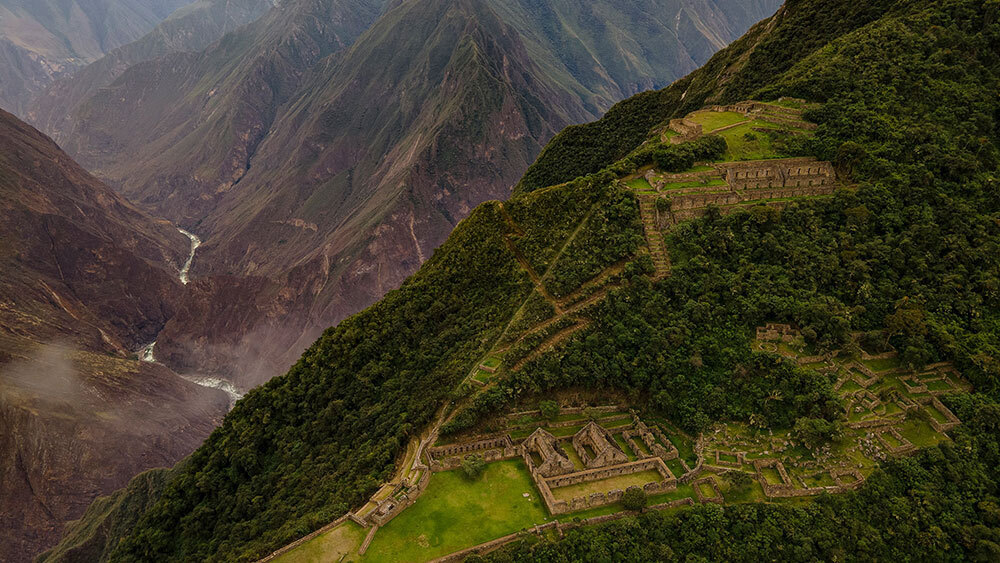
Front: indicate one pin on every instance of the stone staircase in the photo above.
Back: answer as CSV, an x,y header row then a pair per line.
x,y
657,250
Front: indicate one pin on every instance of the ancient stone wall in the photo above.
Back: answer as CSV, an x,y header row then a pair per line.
x,y
545,485
476,444
952,420
569,410
702,498
773,489
553,460
596,447
686,130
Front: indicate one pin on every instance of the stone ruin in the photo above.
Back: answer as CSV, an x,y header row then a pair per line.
x,y
904,447
667,483
686,130
779,115
777,331
554,461
784,488
777,173
492,448
648,436
951,421
702,497
596,447
745,183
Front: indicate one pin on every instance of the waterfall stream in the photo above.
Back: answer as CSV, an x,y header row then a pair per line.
x,y
147,352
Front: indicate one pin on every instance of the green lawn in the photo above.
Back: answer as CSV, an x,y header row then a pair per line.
x,y
694,184
850,386
564,430
771,475
921,433
728,458
936,414
342,541
492,362
821,480
939,385
707,490
643,448
788,104
712,120
640,184
455,513
753,493
571,453
604,485
684,490
624,446
675,467
482,376
741,148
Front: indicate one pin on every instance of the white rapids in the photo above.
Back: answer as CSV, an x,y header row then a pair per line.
x,y
147,353
195,243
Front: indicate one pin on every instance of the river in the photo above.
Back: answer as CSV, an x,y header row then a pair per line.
x,y
147,354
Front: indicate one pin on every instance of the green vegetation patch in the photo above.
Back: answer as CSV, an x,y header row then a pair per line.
x,y
572,455
746,144
455,513
604,485
620,440
693,184
340,543
640,184
712,120
771,475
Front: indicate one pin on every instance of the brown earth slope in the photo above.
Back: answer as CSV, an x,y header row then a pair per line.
x,y
85,280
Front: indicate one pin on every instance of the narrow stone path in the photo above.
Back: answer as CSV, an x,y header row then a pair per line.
x,y
657,249
535,278
552,342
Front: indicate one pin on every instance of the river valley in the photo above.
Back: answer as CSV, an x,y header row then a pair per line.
x,y
147,354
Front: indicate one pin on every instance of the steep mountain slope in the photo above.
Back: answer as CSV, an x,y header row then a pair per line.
x,y
916,240
311,220
189,29
41,40
87,279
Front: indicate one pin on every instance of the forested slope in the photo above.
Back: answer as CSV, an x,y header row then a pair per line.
x,y
909,255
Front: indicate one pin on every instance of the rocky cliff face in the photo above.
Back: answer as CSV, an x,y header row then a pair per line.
x,y
325,150
86,280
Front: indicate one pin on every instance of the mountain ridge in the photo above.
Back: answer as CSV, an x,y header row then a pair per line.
x,y
678,346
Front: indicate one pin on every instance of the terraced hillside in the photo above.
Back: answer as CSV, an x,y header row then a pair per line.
x,y
906,260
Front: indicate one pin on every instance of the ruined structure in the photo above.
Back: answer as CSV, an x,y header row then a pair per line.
x,y
778,173
686,130
551,459
492,448
667,483
597,447
652,439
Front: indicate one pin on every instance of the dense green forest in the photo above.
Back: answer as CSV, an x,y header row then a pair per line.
x,y
911,256
940,505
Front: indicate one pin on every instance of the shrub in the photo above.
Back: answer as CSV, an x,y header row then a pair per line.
x,y
634,499
473,466
549,409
